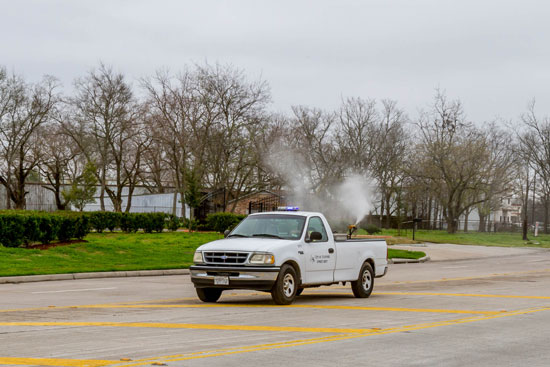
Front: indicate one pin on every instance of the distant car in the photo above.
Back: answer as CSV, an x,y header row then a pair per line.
x,y
283,253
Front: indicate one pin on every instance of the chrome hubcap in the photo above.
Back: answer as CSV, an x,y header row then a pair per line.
x,y
288,285
367,280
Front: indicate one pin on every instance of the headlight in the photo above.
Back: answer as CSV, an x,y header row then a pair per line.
x,y
262,259
197,258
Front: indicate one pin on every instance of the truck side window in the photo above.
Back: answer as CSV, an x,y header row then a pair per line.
x,y
316,225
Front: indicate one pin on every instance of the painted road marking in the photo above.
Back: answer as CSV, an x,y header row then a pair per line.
x,y
190,326
75,290
325,307
107,304
314,293
55,362
468,278
253,348
461,295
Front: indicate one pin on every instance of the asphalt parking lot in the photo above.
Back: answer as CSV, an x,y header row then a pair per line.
x,y
482,312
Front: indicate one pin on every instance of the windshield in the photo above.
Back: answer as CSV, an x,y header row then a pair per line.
x,y
288,227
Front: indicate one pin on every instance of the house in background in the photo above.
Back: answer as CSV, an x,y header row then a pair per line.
x,y
509,211
258,201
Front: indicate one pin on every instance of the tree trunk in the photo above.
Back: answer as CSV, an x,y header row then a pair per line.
x,y
546,201
524,211
466,221
388,212
429,214
102,198
482,223
436,214
183,213
382,209
130,194
451,225
175,203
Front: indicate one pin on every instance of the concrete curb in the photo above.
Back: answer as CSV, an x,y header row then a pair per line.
x,y
410,261
136,273
105,274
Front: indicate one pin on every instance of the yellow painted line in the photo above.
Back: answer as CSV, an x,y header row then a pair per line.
x,y
190,326
468,278
315,293
43,308
460,295
324,307
55,362
260,347
253,348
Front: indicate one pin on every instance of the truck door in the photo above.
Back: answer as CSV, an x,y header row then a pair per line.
x,y
320,256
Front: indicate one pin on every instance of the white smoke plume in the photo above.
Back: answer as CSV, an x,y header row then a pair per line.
x,y
345,202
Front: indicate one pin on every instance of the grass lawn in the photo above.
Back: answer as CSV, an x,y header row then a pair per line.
x,y
116,251
472,238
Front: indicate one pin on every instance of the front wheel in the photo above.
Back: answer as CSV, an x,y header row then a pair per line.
x,y
209,294
362,287
284,289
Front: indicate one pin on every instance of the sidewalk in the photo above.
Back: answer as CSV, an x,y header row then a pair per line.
x,y
447,251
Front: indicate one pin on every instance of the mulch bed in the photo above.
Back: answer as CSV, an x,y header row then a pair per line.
x,y
42,246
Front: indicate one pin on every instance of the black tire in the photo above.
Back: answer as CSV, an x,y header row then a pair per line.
x,y
362,287
299,291
209,294
284,289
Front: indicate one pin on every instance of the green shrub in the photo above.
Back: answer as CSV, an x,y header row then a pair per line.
x,y
12,229
192,224
172,222
219,222
112,220
97,221
129,222
152,222
74,226
28,227
372,229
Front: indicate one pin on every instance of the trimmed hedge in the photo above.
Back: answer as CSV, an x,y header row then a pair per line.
x,y
219,222
26,227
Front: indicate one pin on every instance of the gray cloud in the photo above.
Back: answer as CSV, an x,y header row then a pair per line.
x,y
491,54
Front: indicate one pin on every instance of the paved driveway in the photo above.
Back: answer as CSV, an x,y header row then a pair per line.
x,y
481,312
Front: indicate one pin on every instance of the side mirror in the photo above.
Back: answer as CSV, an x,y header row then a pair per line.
x,y
315,236
226,233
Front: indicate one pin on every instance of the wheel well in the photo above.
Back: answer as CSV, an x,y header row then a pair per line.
x,y
294,264
371,262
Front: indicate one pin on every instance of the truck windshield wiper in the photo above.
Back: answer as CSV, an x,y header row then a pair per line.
x,y
266,235
237,235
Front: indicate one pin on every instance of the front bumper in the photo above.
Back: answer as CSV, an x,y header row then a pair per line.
x,y
240,277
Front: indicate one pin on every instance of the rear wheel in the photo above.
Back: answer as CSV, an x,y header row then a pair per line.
x,y
362,287
209,294
284,289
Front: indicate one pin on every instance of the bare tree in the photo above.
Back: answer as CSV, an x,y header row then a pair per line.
x,y
234,109
104,123
23,109
388,163
453,158
59,153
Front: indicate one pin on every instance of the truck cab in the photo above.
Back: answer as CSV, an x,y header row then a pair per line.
x,y
283,253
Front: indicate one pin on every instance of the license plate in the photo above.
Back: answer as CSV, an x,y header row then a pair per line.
x,y
221,280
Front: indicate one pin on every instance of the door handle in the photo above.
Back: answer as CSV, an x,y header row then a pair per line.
x,y
330,250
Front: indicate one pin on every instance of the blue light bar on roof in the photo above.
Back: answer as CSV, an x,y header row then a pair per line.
x,y
288,208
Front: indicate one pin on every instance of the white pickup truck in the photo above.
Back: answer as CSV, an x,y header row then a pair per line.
x,y
283,253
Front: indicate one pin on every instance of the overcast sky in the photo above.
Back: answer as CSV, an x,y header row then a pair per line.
x,y
493,55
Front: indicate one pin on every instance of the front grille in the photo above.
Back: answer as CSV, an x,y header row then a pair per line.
x,y
225,257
